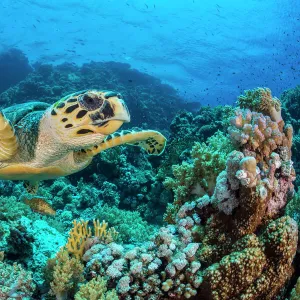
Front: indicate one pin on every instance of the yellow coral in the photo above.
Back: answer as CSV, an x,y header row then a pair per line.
x,y
96,289
77,239
101,231
80,233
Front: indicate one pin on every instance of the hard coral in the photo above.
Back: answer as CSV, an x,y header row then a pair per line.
x,y
249,273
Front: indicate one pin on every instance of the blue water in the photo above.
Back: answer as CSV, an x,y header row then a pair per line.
x,y
210,50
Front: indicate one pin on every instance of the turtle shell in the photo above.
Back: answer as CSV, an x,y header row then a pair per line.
x,y
25,118
17,112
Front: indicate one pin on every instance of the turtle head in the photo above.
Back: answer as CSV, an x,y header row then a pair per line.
x,y
87,117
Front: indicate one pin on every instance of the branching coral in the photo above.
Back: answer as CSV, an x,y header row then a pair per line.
x,y
81,233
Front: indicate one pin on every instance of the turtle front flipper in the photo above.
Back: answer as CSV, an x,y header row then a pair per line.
x,y
151,141
8,140
31,186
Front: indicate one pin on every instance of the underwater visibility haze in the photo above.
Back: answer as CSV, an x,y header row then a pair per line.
x,y
149,149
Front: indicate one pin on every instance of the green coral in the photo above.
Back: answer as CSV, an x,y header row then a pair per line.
x,y
11,209
295,294
261,100
197,177
96,289
129,224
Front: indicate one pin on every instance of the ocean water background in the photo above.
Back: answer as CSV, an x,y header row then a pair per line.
x,y
209,50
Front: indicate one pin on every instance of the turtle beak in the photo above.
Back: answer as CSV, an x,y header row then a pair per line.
x,y
115,114
120,109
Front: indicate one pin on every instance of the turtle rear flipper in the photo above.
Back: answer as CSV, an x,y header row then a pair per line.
x,y
8,140
150,140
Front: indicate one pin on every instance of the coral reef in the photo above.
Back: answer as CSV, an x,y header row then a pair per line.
x,y
228,245
229,234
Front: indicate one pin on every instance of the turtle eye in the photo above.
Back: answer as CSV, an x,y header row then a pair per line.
x,y
90,101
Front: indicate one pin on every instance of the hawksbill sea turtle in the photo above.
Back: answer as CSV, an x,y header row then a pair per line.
x,y
39,141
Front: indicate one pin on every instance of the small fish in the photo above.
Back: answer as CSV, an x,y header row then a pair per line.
x,y
40,205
